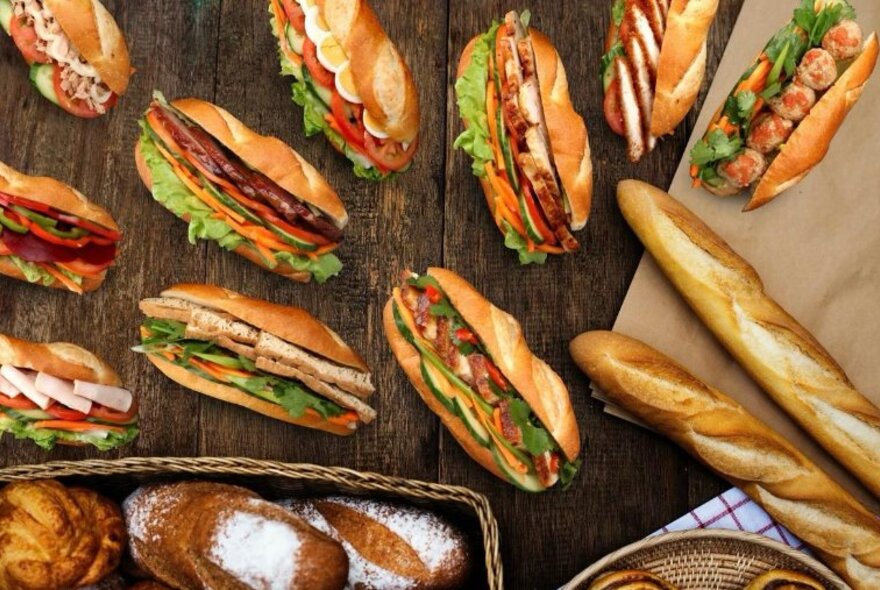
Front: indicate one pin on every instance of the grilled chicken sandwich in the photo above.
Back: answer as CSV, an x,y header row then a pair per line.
x,y
250,193
77,54
276,360
530,148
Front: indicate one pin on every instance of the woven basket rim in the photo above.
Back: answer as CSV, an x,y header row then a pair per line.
x,y
360,480
716,534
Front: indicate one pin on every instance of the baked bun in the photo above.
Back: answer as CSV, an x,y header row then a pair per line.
x,y
208,535
55,538
630,580
782,579
60,359
390,545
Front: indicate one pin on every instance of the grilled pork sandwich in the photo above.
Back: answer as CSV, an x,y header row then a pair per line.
x,y
471,365
653,67
276,360
77,54
778,122
59,393
351,81
51,235
250,193
530,148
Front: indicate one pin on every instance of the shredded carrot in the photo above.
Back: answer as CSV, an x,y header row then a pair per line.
x,y
76,426
145,332
503,188
62,278
170,356
758,78
159,129
210,369
549,249
77,271
515,463
695,170
343,419
204,196
280,18
493,127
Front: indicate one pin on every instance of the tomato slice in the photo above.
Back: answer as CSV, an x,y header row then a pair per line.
x,y
25,38
613,109
110,415
77,107
83,268
17,403
65,413
390,155
322,75
350,131
295,15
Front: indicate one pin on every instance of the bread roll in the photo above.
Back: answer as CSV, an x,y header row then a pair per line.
x,y
389,545
59,359
776,579
722,434
56,538
630,580
779,353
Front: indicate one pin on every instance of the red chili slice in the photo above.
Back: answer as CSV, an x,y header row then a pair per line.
x,y
433,294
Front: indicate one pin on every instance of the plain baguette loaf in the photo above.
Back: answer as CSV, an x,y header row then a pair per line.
x,y
739,447
780,354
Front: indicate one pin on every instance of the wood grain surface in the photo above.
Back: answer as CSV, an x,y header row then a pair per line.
x,y
632,481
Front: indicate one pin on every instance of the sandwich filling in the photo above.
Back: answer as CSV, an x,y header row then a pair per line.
x,y
325,88
48,409
629,70
462,375
222,349
799,64
225,200
506,134
57,68
52,247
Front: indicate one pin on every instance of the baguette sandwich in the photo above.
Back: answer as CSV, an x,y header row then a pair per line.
x,y
51,235
740,448
778,122
653,67
530,148
76,52
351,81
250,193
276,360
469,362
59,393
780,354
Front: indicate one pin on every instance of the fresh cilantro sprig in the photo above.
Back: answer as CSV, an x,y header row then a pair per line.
x,y
716,146
817,24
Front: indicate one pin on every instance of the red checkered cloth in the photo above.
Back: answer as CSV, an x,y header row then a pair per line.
x,y
735,511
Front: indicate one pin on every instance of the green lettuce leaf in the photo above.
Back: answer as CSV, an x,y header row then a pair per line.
x,y
470,92
326,266
535,438
31,272
47,438
514,241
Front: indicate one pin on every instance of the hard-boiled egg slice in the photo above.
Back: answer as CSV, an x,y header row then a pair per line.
x,y
316,27
331,54
345,85
373,128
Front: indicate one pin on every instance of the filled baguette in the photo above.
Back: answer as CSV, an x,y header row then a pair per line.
x,y
51,235
250,193
778,122
76,52
653,67
723,435
470,364
277,360
780,354
530,148
351,81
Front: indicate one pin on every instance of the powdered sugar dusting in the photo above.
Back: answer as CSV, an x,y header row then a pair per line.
x,y
142,511
262,553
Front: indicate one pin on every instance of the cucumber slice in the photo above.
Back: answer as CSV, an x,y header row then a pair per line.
x,y
527,482
41,77
323,93
531,227
454,379
291,239
6,15
28,414
608,77
477,430
228,201
506,151
294,39
219,359
435,382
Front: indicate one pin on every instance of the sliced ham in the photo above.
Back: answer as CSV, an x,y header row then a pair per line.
x,y
8,389
115,398
61,390
24,382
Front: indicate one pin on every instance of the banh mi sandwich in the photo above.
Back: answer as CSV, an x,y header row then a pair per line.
x,y
653,67
530,148
778,122
273,359
471,365
76,52
351,81
51,235
59,393
250,193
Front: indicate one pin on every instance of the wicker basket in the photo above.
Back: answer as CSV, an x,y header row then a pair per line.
x,y
466,509
708,560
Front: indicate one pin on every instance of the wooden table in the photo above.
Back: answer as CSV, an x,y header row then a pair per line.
x,y
632,482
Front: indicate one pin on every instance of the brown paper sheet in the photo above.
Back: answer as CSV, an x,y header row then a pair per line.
x,y
817,248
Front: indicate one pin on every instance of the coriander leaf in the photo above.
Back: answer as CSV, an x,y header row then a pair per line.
x,y
716,146
618,10
608,59
443,308
745,102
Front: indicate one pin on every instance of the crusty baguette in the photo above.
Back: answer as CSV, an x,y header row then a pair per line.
x,y
568,132
682,63
381,76
780,354
60,359
811,139
268,155
235,396
282,268
739,447
97,37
